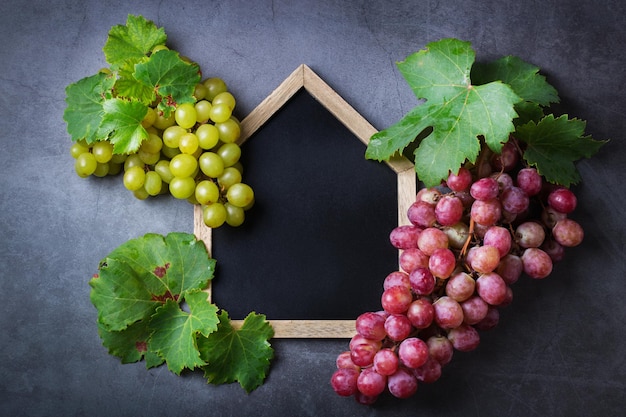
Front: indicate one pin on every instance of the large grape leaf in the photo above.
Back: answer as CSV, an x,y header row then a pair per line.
x,y
241,355
133,41
128,86
84,110
554,144
121,122
143,273
130,344
173,79
174,331
459,113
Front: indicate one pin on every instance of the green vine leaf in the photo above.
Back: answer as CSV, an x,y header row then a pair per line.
x,y
133,41
458,112
241,355
121,123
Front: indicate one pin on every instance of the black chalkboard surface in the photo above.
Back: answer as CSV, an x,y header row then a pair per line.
x,y
316,243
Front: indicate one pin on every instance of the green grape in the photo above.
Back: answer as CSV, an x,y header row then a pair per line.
x,y
119,158
141,194
226,98
149,118
214,86
182,188
77,148
188,143
220,112
207,192
133,161
149,158
85,164
230,153
153,183
229,130
192,199
102,151
208,136
203,107
229,177
200,91
160,47
235,216
134,178
170,152
211,164
185,115
161,122
152,145
183,165
239,167
114,168
240,194
214,215
171,136
102,170
163,169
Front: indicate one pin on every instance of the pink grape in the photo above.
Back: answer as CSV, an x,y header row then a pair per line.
x,y
562,200
568,233
448,313
474,309
412,258
357,339
549,216
460,286
504,180
491,288
344,381
460,181
507,159
510,268
413,352
431,239
448,211
498,237
537,264
514,200
396,300
396,278
421,313
371,326
440,349
530,234
490,321
429,372
554,249
529,180
371,383
365,399
508,299
422,281
486,212
457,234
429,195
386,362
485,189
422,214
402,384
345,361
404,236
363,354
484,258
398,327
464,338
442,262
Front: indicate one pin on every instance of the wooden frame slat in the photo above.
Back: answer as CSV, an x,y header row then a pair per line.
x,y
304,77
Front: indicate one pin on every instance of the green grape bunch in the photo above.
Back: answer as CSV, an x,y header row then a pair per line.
x,y
152,118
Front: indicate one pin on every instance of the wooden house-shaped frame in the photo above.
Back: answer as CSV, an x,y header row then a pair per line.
x,y
304,77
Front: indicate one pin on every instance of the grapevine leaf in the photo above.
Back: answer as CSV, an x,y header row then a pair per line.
x,y
127,86
554,145
241,355
175,331
130,344
172,79
83,113
121,122
133,41
457,111
143,273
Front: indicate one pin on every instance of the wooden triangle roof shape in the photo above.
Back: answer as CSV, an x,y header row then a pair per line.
x,y
305,77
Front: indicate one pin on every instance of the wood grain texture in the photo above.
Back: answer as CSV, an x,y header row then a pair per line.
x,y
304,77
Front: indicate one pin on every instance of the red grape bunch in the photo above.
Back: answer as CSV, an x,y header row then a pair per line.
x,y
466,243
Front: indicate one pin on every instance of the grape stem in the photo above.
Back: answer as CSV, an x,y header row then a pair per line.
x,y
470,234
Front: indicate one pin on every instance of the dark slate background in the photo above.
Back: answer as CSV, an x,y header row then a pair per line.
x,y
559,350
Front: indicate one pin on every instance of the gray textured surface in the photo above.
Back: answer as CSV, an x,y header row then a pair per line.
x,y
559,350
